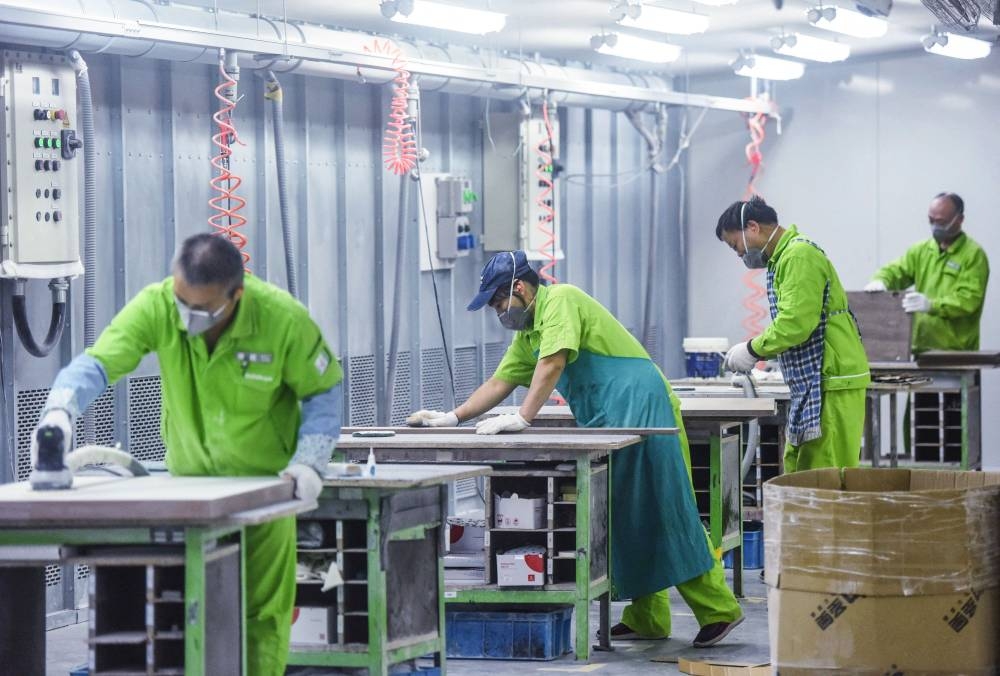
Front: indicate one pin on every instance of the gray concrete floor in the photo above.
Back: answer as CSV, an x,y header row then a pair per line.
x,y
67,648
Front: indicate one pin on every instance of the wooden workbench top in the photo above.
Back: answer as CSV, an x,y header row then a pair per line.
x,y
427,439
400,476
140,501
714,408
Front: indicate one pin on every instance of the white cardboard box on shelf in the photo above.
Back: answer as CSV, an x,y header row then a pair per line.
x,y
466,536
517,512
464,575
314,626
521,567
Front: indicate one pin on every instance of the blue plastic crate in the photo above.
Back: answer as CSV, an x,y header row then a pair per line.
x,y
82,670
703,364
753,551
534,633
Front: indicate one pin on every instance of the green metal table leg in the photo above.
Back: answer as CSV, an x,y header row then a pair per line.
x,y
194,602
441,656
715,488
583,554
377,626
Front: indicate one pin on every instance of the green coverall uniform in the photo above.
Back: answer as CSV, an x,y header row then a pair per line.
x,y
955,282
223,415
610,381
802,276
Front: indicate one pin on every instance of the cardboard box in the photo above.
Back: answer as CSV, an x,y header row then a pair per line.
x,y
878,635
722,668
883,571
522,567
314,626
465,575
466,536
518,513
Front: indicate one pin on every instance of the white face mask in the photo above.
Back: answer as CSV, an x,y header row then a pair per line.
x,y
198,321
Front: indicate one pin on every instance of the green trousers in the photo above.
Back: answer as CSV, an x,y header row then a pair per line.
x,y
270,595
842,422
707,595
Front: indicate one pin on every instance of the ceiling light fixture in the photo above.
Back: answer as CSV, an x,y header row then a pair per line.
x,y
661,20
717,3
767,67
848,22
956,46
639,49
807,47
445,17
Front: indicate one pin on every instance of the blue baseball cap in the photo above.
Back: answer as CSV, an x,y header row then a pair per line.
x,y
498,272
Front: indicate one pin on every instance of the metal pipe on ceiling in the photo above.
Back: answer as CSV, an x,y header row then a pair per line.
x,y
142,28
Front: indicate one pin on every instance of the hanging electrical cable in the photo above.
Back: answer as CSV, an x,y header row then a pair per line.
x,y
547,221
753,302
273,93
399,145
226,220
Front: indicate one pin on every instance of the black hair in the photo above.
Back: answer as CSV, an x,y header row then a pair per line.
x,y
531,277
207,259
756,210
956,201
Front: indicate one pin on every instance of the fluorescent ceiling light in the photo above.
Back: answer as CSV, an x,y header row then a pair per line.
x,y
717,3
664,20
768,68
640,49
956,46
807,47
848,22
452,18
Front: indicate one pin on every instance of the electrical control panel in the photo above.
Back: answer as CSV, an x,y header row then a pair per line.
x,y
521,195
447,201
40,232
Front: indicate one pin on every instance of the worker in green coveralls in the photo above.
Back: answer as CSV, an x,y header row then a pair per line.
x,y
250,388
566,339
948,272
812,333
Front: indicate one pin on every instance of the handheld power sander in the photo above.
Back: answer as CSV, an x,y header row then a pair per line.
x,y
53,467
50,471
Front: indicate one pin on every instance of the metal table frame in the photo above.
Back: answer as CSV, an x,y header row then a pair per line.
x,y
371,500
529,449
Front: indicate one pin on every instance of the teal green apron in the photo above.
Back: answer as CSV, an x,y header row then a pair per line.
x,y
657,540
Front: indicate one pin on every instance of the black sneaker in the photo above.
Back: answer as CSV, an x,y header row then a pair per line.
x,y
622,632
711,634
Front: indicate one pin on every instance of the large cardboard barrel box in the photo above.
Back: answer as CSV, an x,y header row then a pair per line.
x,y
883,571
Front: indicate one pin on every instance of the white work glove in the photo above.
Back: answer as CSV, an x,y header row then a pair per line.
x,y
307,482
56,417
875,285
508,422
425,418
739,359
914,301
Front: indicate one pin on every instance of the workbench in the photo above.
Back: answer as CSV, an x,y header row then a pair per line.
x,y
952,437
713,426
386,535
166,557
548,464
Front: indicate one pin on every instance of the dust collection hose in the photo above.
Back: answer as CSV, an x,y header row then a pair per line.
x,y
89,199
59,288
273,93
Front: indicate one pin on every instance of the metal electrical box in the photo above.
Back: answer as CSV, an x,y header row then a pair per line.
x,y
40,233
447,201
520,196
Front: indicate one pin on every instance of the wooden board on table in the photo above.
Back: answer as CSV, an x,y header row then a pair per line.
x,y
976,358
399,475
737,408
885,326
139,501
428,439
